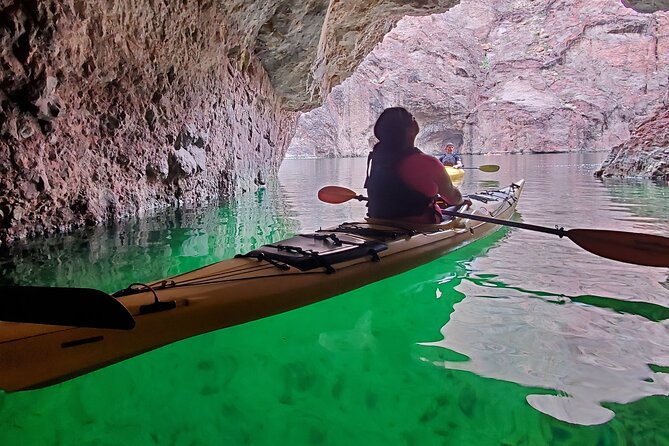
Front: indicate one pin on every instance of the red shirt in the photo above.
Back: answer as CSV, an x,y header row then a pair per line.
x,y
421,172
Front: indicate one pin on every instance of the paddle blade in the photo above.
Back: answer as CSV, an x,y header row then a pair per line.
x,y
72,307
336,194
628,247
489,168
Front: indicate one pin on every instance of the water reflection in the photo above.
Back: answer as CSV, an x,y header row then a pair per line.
x,y
646,201
590,355
547,314
147,249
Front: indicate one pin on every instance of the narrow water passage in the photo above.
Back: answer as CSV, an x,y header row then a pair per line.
x,y
520,338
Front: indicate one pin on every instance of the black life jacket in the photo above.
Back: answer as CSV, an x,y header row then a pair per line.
x,y
390,197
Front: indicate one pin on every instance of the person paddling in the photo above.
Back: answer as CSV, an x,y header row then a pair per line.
x,y
449,158
402,182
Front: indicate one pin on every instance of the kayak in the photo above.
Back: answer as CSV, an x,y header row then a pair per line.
x,y
455,173
99,329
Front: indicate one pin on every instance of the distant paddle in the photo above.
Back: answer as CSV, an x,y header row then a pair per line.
x,y
628,247
484,168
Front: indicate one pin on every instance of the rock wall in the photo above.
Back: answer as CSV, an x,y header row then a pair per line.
x,y
646,154
310,46
111,109
503,76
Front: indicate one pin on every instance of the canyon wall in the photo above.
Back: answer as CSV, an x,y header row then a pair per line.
x,y
646,153
112,109
503,76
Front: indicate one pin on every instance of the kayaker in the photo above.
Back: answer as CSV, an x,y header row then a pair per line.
x,y
449,158
402,182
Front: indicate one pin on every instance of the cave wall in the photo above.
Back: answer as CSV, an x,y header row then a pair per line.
x,y
501,76
112,109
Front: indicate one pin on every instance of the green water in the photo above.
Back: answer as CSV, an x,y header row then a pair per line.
x,y
517,339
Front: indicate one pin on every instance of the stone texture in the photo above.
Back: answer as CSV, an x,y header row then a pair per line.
x,y
647,5
111,109
646,154
503,76
353,28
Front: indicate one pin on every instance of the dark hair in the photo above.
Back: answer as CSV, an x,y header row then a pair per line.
x,y
392,126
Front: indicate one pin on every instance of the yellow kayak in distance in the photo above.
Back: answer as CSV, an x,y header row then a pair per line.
x,y
96,329
456,174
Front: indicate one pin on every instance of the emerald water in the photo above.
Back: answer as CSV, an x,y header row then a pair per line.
x,y
518,339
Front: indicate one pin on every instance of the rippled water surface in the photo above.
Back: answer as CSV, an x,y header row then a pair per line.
x,y
520,338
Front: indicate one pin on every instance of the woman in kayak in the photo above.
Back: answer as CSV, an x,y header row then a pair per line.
x,y
403,182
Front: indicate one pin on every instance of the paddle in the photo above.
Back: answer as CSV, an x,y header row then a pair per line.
x,y
628,247
76,307
484,168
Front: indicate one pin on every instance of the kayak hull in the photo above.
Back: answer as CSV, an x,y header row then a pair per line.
x,y
238,290
456,175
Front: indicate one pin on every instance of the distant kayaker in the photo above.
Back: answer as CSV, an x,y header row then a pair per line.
x,y
449,158
402,182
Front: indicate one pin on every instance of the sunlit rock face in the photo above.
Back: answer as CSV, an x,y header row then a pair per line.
x,y
110,109
503,76
646,154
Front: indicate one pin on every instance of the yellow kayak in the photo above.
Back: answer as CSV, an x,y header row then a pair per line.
x,y
454,173
97,329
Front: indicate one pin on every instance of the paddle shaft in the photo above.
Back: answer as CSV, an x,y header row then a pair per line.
x,y
560,232
485,168
347,194
629,247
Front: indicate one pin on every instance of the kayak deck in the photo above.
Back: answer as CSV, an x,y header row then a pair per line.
x,y
272,279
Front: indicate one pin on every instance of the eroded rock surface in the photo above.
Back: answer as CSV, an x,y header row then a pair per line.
x,y
646,154
110,109
647,5
504,76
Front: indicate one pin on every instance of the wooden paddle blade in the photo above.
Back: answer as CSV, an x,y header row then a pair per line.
x,y
489,168
336,194
72,307
628,247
